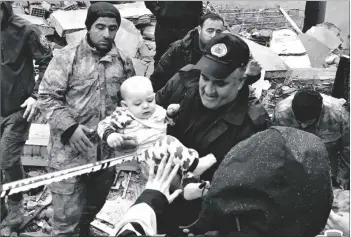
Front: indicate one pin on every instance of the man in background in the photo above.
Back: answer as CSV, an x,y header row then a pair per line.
x,y
173,21
21,43
188,50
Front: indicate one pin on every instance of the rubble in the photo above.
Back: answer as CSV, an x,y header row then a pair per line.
x,y
325,36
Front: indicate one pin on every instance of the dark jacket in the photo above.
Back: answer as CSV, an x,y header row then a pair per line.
x,y
180,53
176,14
276,183
21,43
206,131
209,131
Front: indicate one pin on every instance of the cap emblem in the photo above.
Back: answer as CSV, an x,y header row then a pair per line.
x,y
219,50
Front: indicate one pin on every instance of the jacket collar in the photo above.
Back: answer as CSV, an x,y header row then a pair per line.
x,y
189,38
235,113
107,57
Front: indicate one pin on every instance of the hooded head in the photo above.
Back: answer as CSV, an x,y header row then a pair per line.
x,y
275,183
102,22
5,13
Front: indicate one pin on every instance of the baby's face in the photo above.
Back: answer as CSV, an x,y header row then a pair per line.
x,y
141,103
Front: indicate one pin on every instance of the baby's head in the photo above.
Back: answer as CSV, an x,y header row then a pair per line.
x,y
138,97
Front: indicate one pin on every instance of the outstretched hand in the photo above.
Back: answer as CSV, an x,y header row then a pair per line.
x,y
161,181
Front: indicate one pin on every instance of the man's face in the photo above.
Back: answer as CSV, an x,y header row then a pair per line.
x,y
215,92
103,32
210,29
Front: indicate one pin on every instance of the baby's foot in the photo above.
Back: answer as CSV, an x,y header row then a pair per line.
x,y
204,163
196,190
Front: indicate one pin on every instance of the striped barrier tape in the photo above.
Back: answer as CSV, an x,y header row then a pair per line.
x,y
34,182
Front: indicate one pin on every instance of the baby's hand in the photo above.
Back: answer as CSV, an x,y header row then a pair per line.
x,y
172,110
115,140
253,68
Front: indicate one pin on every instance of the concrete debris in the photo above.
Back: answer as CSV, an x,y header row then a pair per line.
x,y
133,10
41,23
66,22
285,42
297,61
325,36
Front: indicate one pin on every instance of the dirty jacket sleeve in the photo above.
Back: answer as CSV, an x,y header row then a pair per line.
x,y
119,119
344,165
51,96
153,6
142,218
42,54
165,68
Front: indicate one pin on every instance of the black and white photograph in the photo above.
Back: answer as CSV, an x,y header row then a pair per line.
x,y
175,118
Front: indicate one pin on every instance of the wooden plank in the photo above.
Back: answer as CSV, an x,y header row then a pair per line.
x,y
313,75
34,161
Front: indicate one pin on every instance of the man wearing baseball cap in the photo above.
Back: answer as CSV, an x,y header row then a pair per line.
x,y
215,110
79,88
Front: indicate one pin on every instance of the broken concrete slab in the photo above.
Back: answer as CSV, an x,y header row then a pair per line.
x,y
286,42
114,210
40,23
297,61
128,38
313,75
133,10
269,60
325,36
66,22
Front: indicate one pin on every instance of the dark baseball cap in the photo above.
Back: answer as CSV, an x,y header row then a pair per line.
x,y
223,54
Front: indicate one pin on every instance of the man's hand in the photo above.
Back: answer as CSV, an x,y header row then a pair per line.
x,y
163,178
172,110
79,141
339,221
115,140
31,108
253,68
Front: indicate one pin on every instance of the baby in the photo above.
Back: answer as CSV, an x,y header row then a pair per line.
x,y
139,116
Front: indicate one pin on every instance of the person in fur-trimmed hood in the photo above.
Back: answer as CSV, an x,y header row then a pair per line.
x,y
276,183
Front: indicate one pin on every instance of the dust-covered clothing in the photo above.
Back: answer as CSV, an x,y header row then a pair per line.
x,y
21,44
150,134
82,87
333,127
